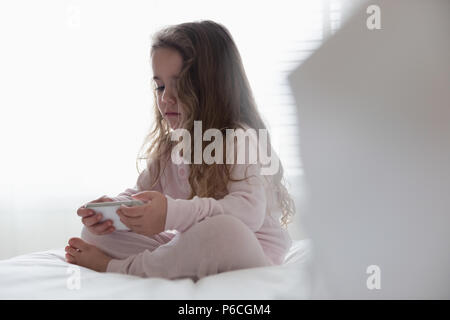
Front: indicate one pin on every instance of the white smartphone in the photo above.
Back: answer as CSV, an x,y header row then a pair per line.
x,y
108,210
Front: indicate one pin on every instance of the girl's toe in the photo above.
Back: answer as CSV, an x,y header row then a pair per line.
x,y
72,251
78,243
70,258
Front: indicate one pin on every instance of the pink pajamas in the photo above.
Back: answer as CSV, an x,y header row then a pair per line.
x,y
203,236
217,244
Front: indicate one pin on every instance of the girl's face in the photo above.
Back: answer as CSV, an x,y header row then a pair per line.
x,y
167,64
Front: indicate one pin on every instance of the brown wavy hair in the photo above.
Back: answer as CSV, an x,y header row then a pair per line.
x,y
212,88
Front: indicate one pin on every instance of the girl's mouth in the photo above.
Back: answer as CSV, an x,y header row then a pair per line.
x,y
172,114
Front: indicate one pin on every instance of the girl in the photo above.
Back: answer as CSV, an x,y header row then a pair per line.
x,y
198,219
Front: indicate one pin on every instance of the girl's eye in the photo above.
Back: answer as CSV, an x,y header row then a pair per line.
x,y
160,88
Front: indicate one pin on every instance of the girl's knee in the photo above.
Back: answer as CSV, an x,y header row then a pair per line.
x,y
225,229
226,224
235,242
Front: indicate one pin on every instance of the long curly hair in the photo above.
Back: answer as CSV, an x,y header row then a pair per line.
x,y
212,88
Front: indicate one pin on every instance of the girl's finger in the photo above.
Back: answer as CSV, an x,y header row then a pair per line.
x,y
124,220
84,212
102,227
131,212
129,222
92,220
108,231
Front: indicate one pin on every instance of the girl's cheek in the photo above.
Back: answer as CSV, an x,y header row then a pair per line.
x,y
158,104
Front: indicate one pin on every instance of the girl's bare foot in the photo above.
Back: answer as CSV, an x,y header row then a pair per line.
x,y
86,255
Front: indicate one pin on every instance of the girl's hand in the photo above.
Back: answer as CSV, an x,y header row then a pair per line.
x,y
147,219
91,219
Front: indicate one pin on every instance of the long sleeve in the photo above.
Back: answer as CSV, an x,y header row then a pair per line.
x,y
246,201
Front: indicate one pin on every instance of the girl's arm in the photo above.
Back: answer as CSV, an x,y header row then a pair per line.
x,y
246,201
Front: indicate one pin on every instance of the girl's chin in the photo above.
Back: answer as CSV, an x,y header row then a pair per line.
x,y
174,125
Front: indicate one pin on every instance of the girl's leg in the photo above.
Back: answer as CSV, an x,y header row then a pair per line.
x,y
217,244
122,244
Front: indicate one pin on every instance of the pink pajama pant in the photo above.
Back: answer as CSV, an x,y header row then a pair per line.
x,y
216,244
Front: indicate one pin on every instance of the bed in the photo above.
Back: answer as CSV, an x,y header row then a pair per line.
x,y
46,275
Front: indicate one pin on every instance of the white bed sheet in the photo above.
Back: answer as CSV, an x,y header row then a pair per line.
x,y
45,275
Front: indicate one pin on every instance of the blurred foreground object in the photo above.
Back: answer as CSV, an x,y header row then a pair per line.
x,y
374,111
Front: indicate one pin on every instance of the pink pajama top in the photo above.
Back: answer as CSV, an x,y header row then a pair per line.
x,y
252,201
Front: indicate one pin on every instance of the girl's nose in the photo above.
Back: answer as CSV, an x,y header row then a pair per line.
x,y
168,96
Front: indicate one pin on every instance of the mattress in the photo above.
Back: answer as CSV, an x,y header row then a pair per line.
x,y
46,275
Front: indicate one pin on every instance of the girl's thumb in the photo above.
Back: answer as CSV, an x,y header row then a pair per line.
x,y
144,195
